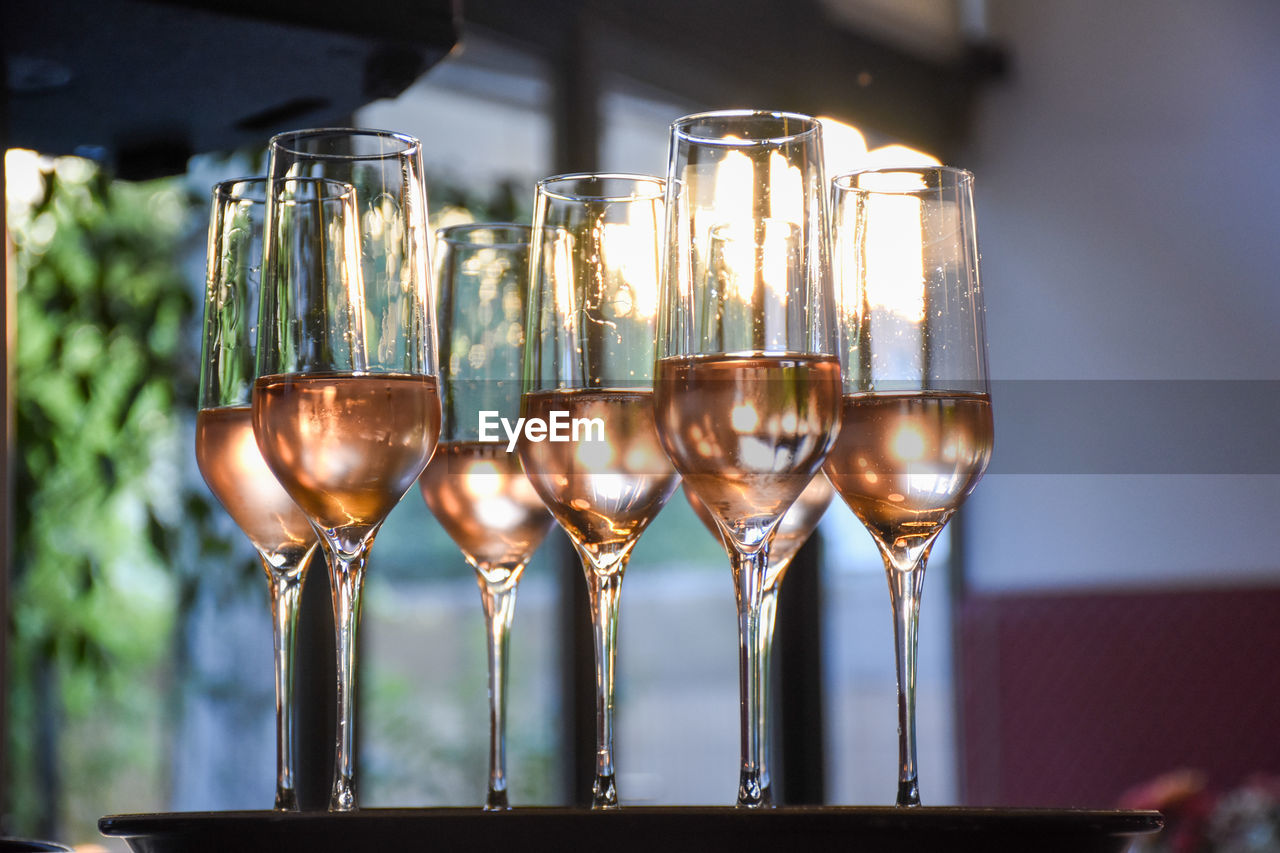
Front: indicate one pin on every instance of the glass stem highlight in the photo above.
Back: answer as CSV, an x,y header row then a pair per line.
x,y
346,572
749,571
768,616
286,591
603,590
905,587
499,600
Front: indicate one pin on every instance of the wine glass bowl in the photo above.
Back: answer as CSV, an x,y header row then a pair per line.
x,y
589,366
748,383
477,488
346,406
226,451
917,429
792,532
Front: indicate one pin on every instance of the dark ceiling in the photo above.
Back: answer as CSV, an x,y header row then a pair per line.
x,y
144,84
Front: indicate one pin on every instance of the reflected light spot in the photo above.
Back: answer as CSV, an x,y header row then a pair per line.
x,y
744,418
594,455
483,479
908,444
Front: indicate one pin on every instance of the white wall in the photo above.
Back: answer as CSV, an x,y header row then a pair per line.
x,y
1129,217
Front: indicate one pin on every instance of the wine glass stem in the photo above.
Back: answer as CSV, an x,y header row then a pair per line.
x,y
603,589
347,575
286,590
499,600
905,587
749,571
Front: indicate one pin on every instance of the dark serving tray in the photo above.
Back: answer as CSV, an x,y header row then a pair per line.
x,y
639,829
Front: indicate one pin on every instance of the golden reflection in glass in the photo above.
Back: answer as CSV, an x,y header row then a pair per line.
x,y
630,252
895,264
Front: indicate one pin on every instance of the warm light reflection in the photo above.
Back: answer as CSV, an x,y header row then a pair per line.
x,y
631,252
734,263
744,418
786,190
595,455
247,455
483,479
908,443
734,185
894,258
561,272
739,253
894,262
845,150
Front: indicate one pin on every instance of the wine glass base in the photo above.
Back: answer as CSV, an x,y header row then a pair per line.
x,y
908,792
496,801
286,800
604,793
343,798
753,795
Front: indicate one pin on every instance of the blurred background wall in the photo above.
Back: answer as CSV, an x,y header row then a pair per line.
x,y
1129,226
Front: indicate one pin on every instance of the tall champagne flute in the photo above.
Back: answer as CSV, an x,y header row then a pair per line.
x,y
346,408
476,488
225,448
748,384
788,538
589,361
917,430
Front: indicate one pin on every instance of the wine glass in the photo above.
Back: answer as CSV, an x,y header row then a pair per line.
x,y
748,384
917,427
477,488
226,452
346,408
786,541
589,369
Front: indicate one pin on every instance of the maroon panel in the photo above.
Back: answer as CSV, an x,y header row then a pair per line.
x,y
1069,700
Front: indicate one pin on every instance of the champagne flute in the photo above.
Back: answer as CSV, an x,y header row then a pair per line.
x,y
917,427
477,489
226,452
346,409
589,367
787,539
748,385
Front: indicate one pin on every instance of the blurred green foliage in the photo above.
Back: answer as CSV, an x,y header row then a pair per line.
x,y
104,517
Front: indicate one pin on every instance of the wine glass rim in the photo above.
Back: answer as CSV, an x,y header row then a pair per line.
x,y
845,180
457,234
287,140
250,188
253,189
680,127
545,185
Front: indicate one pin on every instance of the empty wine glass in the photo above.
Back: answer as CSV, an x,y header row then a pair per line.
x,y
346,408
589,368
917,427
226,452
477,488
748,384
